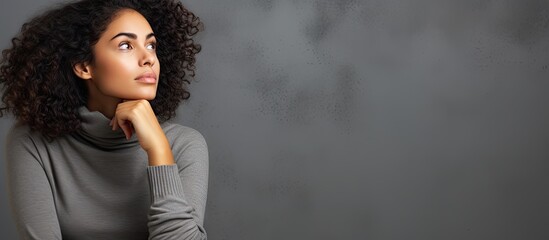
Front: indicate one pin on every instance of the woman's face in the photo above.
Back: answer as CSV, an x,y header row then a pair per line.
x,y
125,65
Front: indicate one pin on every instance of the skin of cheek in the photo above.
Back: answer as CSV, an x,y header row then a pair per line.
x,y
114,76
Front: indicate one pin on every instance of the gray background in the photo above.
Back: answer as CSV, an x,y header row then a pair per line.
x,y
385,119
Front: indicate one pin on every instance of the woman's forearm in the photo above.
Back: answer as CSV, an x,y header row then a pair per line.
x,y
161,156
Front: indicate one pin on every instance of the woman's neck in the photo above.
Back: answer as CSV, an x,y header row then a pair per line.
x,y
106,107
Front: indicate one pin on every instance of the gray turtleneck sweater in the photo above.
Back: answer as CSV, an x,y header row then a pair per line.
x,y
95,184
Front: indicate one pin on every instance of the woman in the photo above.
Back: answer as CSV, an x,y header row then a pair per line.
x,y
92,84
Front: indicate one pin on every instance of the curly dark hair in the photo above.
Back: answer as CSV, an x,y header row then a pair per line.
x,y
36,73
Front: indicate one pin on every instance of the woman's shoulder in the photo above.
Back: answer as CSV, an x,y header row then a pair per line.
x,y
21,132
180,134
21,136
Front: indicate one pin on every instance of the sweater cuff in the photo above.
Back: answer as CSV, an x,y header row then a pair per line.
x,y
164,180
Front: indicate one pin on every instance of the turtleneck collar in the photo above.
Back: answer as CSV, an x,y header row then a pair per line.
x,y
96,131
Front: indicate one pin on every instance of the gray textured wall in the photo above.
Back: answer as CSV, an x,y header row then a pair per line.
x,y
365,119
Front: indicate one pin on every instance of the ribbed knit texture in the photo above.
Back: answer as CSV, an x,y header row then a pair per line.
x,y
164,180
95,184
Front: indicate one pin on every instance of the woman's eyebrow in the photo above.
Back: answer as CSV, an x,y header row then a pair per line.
x,y
131,35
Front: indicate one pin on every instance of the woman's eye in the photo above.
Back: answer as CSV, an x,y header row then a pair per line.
x,y
124,46
151,46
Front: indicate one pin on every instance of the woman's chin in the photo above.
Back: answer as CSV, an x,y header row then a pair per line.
x,y
146,96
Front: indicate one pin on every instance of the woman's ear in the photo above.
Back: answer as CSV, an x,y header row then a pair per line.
x,y
82,70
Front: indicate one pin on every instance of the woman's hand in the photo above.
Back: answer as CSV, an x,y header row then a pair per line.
x,y
138,116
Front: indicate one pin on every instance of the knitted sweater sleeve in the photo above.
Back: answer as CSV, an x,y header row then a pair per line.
x,y
178,191
29,190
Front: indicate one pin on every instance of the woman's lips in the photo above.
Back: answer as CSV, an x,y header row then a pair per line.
x,y
146,78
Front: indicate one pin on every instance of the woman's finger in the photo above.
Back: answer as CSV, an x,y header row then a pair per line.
x,y
125,128
114,123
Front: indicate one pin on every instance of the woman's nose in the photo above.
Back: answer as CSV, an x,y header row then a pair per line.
x,y
148,57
